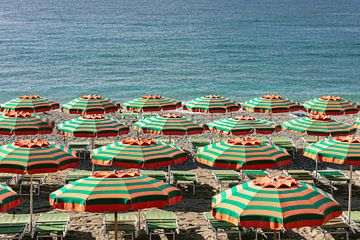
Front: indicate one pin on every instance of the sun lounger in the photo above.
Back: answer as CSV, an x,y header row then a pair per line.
x,y
264,232
73,176
14,225
309,140
335,226
160,221
8,178
200,142
147,114
252,174
127,224
333,177
129,115
80,147
354,221
185,176
158,174
298,114
216,225
51,224
285,142
37,181
101,143
301,175
226,176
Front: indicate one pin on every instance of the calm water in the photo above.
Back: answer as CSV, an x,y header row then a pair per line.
x,y
182,49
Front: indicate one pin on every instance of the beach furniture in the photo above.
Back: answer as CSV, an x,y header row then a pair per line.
x,y
14,225
285,142
100,143
335,226
300,175
51,224
80,147
37,181
76,175
333,177
200,142
8,178
158,174
354,221
222,176
218,225
298,114
185,177
252,174
265,232
160,221
129,115
127,224
309,140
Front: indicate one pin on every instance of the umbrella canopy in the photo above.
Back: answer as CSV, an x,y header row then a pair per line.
x,y
138,153
169,124
24,123
151,103
35,156
242,125
271,104
112,192
90,104
318,125
357,123
275,203
8,198
30,103
331,105
92,126
243,153
212,104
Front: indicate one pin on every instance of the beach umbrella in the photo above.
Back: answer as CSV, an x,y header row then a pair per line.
x,y
275,203
242,125
243,153
331,105
34,157
341,150
114,192
357,123
8,198
151,103
318,125
212,104
24,123
90,104
30,103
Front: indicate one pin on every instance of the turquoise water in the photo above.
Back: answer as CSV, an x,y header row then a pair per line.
x,y
182,49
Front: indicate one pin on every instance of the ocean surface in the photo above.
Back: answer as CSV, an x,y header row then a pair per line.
x,y
123,49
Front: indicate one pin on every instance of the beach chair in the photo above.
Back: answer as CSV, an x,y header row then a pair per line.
x,y
309,140
300,175
200,142
14,226
265,232
147,114
354,221
217,225
186,177
80,147
285,142
37,181
160,221
73,176
101,143
222,176
333,177
8,178
335,226
158,174
51,224
127,224
298,114
252,174
129,115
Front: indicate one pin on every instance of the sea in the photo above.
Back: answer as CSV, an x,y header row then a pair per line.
x,y
182,49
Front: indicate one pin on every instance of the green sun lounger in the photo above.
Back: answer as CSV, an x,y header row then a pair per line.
x,y
217,225
73,176
9,178
186,177
160,221
79,145
285,142
200,142
14,225
301,175
51,224
222,176
37,181
355,220
333,177
129,115
309,140
101,143
252,174
158,174
127,224
335,226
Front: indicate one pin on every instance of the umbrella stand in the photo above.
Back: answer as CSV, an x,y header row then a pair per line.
x,y
169,172
350,194
92,147
275,235
116,225
31,202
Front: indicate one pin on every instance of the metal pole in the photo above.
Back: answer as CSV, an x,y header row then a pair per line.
x,y
350,194
31,203
275,235
242,175
316,169
116,226
169,171
92,147
139,221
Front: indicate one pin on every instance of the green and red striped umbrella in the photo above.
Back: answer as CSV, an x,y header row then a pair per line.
x,y
169,124
318,125
212,104
90,104
271,104
30,103
24,123
275,203
8,198
357,123
92,126
331,105
242,125
138,153
243,153
151,103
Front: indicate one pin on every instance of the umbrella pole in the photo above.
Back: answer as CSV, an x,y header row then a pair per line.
x,y
31,202
316,170
139,221
242,175
92,147
116,226
169,172
350,194
275,235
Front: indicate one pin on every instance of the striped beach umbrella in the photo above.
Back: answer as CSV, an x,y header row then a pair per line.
x,y
35,156
30,103
151,103
92,126
275,203
271,104
212,104
318,125
242,125
90,104
357,123
8,198
243,153
341,150
331,105
24,123
169,124
114,192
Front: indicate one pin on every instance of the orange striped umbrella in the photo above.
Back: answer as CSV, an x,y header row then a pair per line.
x,y
331,105
30,103
8,198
